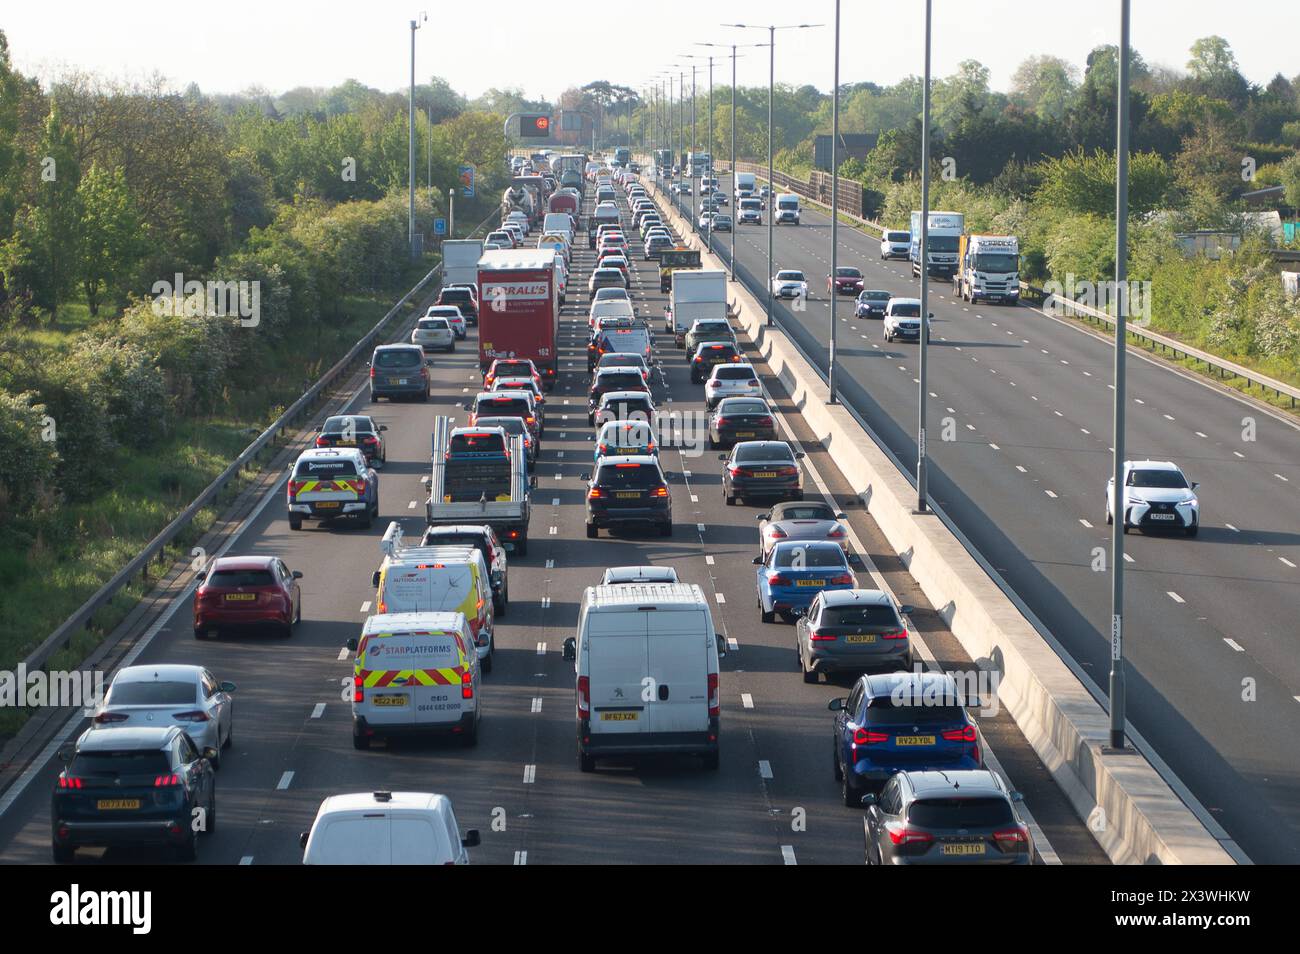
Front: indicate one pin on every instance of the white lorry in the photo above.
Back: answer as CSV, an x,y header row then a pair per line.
x,y
696,294
787,209
460,261
945,232
745,185
988,268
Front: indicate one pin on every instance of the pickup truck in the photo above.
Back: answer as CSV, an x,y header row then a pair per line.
x,y
479,475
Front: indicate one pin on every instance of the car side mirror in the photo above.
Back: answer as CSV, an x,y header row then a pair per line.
x,y
836,704
907,609
383,427
66,751
227,686
1195,484
1017,796
374,579
297,574
757,561
472,839
428,362
302,839
840,516
351,644
801,612
931,314
799,455
584,476
868,799
570,649
722,457
425,481
209,753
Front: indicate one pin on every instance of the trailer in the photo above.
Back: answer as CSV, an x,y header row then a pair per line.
x,y
503,488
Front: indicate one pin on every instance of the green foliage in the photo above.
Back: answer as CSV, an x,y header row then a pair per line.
x,y
28,464
1085,183
112,237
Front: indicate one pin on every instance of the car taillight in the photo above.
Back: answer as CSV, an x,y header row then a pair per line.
x,y
1012,839
964,734
358,485
165,781
531,420
467,686
863,736
715,699
836,534
194,715
737,471
842,579
295,486
69,782
594,493
753,382
108,718
584,697
900,634
660,491
900,834
763,422
817,636
322,442
776,533
372,371
370,440
787,471
778,580
358,691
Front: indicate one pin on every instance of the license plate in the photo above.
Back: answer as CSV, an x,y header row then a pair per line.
x,y
117,804
619,716
397,380
327,505
809,582
975,849
389,700
240,597
626,450
764,473
861,638
744,433
1162,516
628,495
914,740
345,444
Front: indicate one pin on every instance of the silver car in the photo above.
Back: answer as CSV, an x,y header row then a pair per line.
x,y
731,380
433,333
163,695
812,521
616,575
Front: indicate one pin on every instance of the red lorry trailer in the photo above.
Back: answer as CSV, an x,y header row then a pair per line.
x,y
519,308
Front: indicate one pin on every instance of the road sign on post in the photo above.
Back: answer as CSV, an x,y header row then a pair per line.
x,y
532,126
439,226
466,174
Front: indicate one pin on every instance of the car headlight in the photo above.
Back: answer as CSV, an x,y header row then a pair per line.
x,y
1134,499
1191,502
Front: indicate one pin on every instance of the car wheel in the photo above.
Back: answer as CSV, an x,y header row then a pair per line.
x,y
809,675
62,854
1109,518
850,794
470,738
298,616
712,760
486,664
451,348
835,766
189,851
592,531
1191,531
200,634
522,546
1126,527
210,822
765,616
585,762
360,741
295,522
230,736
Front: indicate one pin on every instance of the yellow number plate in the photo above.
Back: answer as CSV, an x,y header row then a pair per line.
x,y
914,740
241,597
619,716
744,433
975,849
809,582
764,473
346,444
390,700
117,804
862,638
327,504
628,494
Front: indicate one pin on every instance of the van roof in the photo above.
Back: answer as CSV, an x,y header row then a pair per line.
x,y
630,596
384,801
413,622
457,553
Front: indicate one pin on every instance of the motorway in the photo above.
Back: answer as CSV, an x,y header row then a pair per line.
x,y
1210,624
774,799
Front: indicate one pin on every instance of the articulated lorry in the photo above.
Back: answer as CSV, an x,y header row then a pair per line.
x,y
988,268
479,475
946,230
696,295
519,308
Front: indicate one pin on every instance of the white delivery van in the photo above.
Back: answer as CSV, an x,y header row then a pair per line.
x,y
460,261
646,660
450,579
787,208
610,308
558,222
745,185
415,673
386,828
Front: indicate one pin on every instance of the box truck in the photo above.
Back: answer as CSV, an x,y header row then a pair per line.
x,y
519,308
946,230
460,261
988,268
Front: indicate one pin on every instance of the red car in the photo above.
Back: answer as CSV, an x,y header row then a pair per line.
x,y
247,592
848,280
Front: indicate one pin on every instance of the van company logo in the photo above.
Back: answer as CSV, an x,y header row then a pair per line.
x,y
76,907
211,299
22,689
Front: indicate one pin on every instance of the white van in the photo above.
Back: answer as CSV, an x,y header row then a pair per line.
x,y
452,579
610,308
646,659
558,222
415,673
386,828
787,208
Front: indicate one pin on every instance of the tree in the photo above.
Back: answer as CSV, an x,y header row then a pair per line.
x,y
1084,184
1045,85
1214,70
112,239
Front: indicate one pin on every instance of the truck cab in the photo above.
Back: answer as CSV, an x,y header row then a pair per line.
x,y
988,268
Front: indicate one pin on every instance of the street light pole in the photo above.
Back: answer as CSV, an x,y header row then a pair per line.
x,y
694,148
410,145
1117,686
921,475
835,202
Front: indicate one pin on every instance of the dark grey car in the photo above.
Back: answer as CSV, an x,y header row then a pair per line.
x,y
399,371
965,817
851,631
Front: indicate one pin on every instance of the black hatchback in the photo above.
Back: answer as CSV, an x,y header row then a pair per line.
x,y
741,419
133,787
761,469
628,490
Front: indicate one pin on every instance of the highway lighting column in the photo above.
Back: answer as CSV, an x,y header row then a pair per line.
x,y
921,475
410,204
451,213
771,193
694,149
1117,686
735,210
835,201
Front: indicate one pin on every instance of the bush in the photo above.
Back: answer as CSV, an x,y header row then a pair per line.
x,y
28,465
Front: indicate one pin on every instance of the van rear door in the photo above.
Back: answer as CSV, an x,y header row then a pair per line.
x,y
617,666
351,839
679,643
418,840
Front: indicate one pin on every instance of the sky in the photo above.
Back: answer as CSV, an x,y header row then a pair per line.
x,y
547,47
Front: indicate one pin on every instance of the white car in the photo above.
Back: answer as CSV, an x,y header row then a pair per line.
x,y
706,221
187,696
453,315
1156,495
903,319
895,245
521,219
386,828
731,380
790,283
431,333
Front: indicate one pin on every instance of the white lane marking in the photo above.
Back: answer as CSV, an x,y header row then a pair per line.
x,y
1233,644
411,505
530,774
694,498
1050,494
1287,562
787,855
1021,469
1085,430
541,649
1088,373
1232,528
246,860
537,704
365,607
708,560
546,602
970,427
1168,417
1058,414
1139,401
699,527
343,653
318,711
1281,478
285,779
521,857
1128,559
559,476
995,446
764,768
733,645
721,598
1240,454
559,454
553,531
1199,434
555,501
1174,596
747,700
1085,523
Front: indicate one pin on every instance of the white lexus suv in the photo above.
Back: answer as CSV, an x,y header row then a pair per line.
x,y
1156,495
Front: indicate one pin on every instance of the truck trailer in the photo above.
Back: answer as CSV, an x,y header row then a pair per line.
x,y
519,308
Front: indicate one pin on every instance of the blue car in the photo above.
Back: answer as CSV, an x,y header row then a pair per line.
x,y
795,571
896,722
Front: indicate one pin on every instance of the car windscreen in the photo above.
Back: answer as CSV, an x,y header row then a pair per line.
x,y
631,340
231,578
511,425
865,617
747,453
155,692
874,296
959,812
943,243
626,435
628,475
799,557
898,237
617,358
733,373
620,381
848,273
884,711
742,407
339,424
504,405
805,512
328,468
476,442
788,204
789,276
398,359
906,311
995,262
456,295
116,764
608,275
1164,479
434,324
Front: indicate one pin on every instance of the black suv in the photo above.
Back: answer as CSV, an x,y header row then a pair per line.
x,y
354,430
463,299
628,491
612,379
